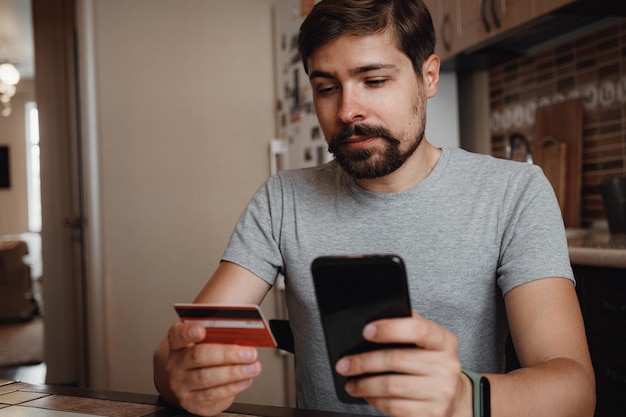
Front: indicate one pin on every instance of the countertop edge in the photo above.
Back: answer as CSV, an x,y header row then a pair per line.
x,y
606,258
596,247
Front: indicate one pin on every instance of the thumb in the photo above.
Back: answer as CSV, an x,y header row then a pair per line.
x,y
181,335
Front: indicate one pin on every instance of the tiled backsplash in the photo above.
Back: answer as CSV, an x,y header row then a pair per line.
x,y
592,68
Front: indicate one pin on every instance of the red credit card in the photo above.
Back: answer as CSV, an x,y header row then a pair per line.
x,y
229,324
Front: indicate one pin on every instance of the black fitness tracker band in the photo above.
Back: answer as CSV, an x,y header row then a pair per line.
x,y
481,397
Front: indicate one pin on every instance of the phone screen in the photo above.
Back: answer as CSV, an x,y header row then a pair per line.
x,y
352,291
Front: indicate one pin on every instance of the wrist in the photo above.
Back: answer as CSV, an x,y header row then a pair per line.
x,y
464,400
480,393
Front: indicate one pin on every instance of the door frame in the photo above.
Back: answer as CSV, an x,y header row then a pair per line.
x,y
74,331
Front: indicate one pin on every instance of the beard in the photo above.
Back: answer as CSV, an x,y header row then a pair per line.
x,y
372,162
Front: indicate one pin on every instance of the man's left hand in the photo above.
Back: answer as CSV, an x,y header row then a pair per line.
x,y
421,381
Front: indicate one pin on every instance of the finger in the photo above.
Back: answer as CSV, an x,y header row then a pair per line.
x,y
386,386
215,354
415,329
419,388
218,376
208,365
212,383
181,335
410,361
406,361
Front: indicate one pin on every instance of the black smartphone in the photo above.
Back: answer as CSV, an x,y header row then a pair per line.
x,y
352,291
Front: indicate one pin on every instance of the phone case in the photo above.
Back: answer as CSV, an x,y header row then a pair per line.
x,y
352,291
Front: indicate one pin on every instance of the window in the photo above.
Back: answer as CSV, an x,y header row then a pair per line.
x,y
33,176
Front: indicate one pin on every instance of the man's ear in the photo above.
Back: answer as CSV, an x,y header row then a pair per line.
x,y
430,75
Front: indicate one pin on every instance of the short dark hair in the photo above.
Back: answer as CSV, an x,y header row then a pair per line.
x,y
410,21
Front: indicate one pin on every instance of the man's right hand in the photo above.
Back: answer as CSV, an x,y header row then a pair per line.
x,y
200,377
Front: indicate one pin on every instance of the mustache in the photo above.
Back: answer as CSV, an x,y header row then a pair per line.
x,y
346,132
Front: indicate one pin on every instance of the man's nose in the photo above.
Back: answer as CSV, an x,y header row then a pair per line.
x,y
351,108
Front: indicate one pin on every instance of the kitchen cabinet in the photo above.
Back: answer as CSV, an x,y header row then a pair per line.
x,y
462,25
481,20
512,13
602,295
476,22
446,26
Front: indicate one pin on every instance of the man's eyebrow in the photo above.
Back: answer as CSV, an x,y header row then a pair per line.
x,y
320,74
372,67
353,71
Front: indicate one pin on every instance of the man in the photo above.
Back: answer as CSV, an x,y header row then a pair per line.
x,y
481,237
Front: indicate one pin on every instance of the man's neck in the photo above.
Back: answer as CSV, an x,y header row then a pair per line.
x,y
412,172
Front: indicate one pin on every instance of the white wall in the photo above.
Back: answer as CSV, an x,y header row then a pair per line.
x,y
183,102
475,119
442,114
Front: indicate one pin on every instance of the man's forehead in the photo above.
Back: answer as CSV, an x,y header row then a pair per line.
x,y
355,54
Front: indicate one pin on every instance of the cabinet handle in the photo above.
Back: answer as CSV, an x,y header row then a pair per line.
x,y
483,14
444,25
494,14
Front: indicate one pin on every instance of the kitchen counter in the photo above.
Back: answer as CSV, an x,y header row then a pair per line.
x,y
598,259
18,399
596,247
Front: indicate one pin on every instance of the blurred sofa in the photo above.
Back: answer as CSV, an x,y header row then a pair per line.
x,y
16,297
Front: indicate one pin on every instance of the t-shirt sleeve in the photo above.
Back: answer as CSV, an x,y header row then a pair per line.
x,y
534,243
254,241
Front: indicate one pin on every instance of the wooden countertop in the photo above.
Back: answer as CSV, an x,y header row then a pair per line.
x,y
31,400
596,247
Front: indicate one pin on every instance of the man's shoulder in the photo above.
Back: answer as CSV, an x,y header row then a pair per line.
x,y
488,164
472,171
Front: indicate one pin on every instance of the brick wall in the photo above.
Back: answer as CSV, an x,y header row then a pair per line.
x,y
591,67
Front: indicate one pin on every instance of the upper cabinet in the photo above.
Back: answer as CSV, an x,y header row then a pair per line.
x,y
546,6
461,25
447,29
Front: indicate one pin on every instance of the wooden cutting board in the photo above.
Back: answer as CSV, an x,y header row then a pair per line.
x,y
551,155
557,149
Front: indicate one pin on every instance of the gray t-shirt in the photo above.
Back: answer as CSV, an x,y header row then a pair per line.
x,y
472,230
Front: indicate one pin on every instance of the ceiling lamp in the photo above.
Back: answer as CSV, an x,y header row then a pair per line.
x,y
9,76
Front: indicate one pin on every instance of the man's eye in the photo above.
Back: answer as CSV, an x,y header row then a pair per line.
x,y
325,89
376,82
